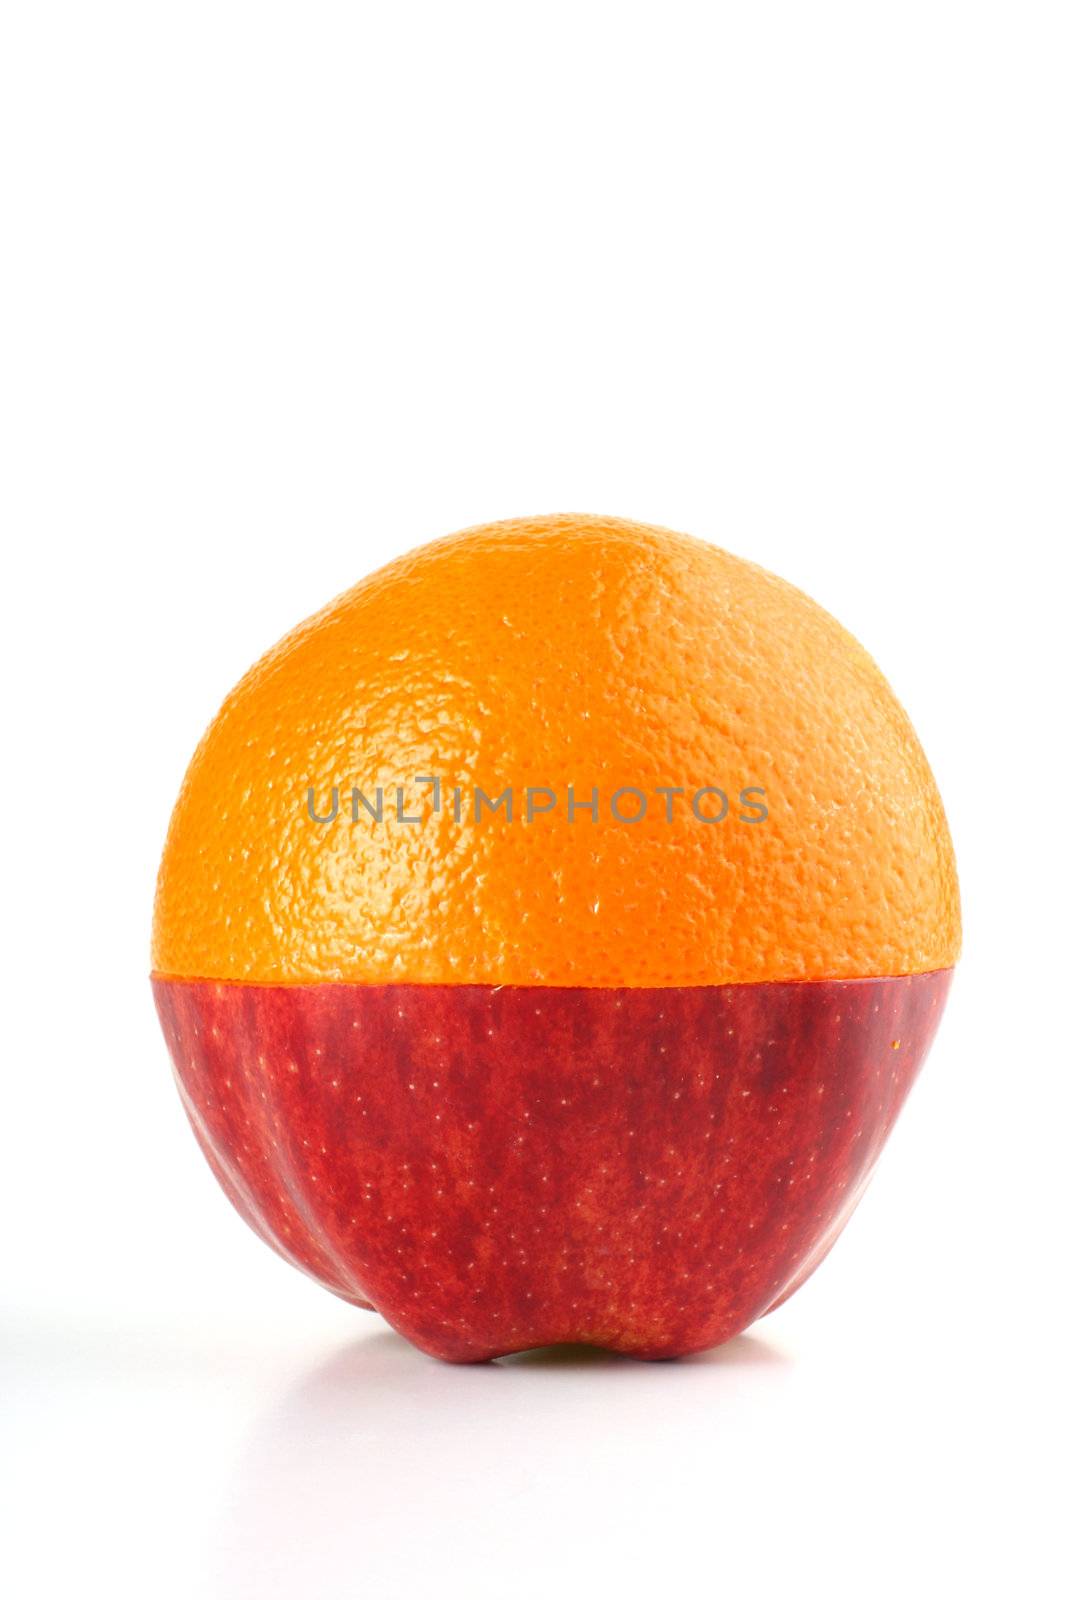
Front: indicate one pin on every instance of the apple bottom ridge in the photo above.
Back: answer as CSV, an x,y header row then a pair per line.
x,y
497,1169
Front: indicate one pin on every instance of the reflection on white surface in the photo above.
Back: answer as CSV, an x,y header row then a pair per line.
x,y
180,1464
383,1460
239,1461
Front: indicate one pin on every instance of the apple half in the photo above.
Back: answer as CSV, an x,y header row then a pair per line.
x,y
494,1169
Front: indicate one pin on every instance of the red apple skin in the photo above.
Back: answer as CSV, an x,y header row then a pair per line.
x,y
648,1170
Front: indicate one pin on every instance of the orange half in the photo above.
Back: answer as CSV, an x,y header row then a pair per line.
x,y
572,654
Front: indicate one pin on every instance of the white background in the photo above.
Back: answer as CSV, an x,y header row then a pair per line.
x,y
291,288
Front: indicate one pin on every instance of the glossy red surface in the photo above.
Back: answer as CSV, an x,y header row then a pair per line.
x,y
494,1169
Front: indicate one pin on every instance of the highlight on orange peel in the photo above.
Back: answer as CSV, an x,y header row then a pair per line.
x,y
547,934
